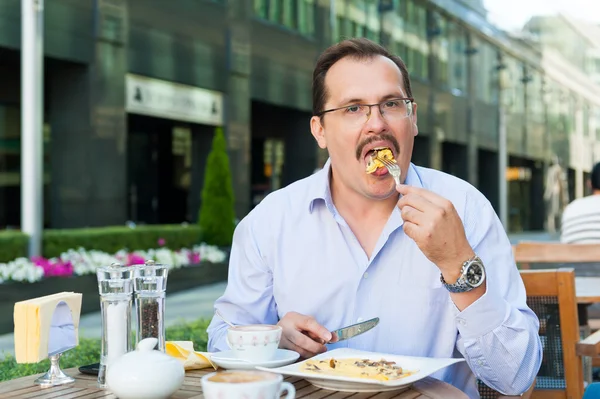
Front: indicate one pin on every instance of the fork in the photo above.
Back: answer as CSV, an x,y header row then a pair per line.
x,y
393,168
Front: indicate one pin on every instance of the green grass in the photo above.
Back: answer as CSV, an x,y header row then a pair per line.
x,y
88,351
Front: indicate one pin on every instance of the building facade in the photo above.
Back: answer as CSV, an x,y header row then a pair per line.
x,y
134,91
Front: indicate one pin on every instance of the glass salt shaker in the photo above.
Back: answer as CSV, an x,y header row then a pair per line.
x,y
150,282
115,285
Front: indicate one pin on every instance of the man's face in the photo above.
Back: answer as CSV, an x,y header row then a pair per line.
x,y
364,81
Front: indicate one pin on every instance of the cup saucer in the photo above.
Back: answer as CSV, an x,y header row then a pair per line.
x,y
227,360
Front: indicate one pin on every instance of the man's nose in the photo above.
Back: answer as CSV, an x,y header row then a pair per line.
x,y
375,120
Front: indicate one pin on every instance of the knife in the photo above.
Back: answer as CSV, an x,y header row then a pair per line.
x,y
353,330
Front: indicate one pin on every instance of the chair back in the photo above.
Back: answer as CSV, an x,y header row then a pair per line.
x,y
551,295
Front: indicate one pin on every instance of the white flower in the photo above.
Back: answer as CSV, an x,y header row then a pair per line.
x,y
21,269
210,253
87,262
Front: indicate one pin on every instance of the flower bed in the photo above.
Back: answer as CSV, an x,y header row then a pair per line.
x,y
75,270
81,262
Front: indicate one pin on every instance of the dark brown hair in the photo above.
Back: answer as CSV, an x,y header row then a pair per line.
x,y
359,48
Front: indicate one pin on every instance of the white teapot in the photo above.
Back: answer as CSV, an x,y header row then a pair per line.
x,y
145,373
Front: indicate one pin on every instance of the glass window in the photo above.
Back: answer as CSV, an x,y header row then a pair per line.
x,y
535,103
275,11
373,19
457,59
341,28
306,17
10,167
261,8
181,151
357,15
415,38
486,88
515,92
586,120
289,14
443,49
298,15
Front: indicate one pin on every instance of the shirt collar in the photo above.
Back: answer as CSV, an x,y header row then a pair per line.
x,y
321,190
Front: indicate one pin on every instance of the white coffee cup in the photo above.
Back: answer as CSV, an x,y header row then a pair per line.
x,y
248,384
255,342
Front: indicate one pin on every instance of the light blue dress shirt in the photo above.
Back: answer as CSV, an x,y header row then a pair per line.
x,y
295,252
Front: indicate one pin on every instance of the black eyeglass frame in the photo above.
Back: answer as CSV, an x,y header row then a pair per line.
x,y
405,99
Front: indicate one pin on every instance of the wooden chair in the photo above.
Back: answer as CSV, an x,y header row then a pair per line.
x,y
551,295
585,258
486,392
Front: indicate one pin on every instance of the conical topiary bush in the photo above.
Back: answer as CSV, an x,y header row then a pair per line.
x,y
216,218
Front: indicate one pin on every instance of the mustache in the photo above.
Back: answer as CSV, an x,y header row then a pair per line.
x,y
379,137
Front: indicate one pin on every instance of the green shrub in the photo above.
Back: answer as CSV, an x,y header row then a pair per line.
x,y
88,351
216,218
114,238
13,244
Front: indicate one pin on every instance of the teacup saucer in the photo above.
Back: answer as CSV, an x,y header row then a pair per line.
x,y
227,360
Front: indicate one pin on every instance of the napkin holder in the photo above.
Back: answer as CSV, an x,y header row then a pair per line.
x,y
62,337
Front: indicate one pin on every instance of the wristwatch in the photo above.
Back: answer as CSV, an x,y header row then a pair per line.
x,y
472,275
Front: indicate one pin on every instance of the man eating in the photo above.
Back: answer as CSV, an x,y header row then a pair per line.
x,y
429,256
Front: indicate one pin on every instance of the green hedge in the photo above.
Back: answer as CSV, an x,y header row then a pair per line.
x,y
114,238
88,351
13,244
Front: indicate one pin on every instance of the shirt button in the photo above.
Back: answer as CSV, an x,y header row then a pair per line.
x,y
462,322
366,275
360,319
480,362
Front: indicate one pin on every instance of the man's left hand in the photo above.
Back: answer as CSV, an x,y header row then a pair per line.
x,y
433,223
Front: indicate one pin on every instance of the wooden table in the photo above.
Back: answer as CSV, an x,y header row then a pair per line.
x,y
85,387
587,292
587,289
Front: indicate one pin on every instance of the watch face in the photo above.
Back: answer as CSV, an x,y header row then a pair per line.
x,y
474,274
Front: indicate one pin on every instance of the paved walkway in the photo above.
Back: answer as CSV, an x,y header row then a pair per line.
x,y
181,306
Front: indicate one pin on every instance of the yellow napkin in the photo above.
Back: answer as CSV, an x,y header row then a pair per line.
x,y
184,352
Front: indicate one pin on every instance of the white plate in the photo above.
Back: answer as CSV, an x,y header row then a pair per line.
x,y
227,360
425,366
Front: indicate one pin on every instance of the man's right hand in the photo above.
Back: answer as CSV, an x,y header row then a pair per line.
x,y
303,334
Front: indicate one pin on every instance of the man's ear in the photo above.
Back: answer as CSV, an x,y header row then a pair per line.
x,y
318,131
414,119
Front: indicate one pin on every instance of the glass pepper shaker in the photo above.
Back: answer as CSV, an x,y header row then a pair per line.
x,y
115,285
150,282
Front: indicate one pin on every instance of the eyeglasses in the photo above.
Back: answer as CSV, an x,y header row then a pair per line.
x,y
391,110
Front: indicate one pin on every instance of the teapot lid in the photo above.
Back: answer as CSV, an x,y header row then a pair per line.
x,y
147,344
145,356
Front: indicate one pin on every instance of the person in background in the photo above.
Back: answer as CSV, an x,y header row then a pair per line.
x,y
429,256
581,218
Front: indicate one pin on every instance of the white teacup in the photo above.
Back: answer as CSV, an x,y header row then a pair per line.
x,y
255,342
248,384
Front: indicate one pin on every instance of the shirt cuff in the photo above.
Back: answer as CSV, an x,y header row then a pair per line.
x,y
482,316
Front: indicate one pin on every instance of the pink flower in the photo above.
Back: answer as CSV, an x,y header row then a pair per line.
x,y
135,260
194,258
161,242
58,268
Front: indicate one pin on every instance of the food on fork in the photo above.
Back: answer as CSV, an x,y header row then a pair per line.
x,y
374,162
380,370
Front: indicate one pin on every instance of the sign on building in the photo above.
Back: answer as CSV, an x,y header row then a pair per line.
x,y
163,99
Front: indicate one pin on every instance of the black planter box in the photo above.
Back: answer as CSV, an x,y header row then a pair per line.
x,y
184,278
